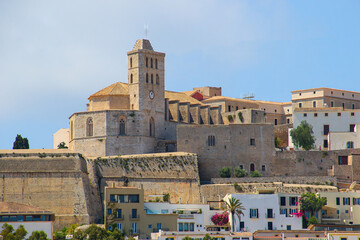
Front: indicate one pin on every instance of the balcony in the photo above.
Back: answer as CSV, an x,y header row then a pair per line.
x,y
120,217
155,230
269,215
134,216
186,216
333,217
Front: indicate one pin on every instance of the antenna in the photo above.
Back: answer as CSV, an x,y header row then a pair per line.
x,y
248,96
146,28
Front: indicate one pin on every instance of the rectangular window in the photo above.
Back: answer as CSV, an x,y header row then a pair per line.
x,y
149,226
119,213
180,227
339,114
314,104
229,108
134,198
20,218
338,201
14,219
119,226
158,226
326,129
292,201
352,127
325,143
263,168
346,201
283,211
326,114
350,144
164,211
254,213
282,201
300,105
343,160
211,140
352,114
343,105
37,218
331,104
288,227
43,218
186,227
28,218
353,106
356,201
109,211
134,227
252,141
113,198
122,198
315,114
275,122
292,211
133,213
110,227
191,227
305,114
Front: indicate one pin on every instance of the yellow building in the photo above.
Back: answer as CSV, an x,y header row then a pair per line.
x,y
124,209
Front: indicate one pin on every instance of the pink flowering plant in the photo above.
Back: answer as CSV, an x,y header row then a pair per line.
x,y
220,219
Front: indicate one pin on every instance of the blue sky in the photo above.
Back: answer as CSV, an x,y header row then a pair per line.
x,y
54,54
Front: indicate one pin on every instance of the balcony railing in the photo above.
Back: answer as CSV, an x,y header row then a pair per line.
x,y
186,216
120,217
134,216
269,215
155,230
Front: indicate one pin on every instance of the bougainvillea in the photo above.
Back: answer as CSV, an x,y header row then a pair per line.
x,y
220,219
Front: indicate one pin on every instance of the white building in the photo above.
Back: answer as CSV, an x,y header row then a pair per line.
x,y
192,217
267,212
200,235
334,128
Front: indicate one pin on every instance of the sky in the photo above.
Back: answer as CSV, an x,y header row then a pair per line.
x,y
55,54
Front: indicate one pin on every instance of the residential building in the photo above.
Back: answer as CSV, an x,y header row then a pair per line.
x,y
124,209
267,212
334,128
32,218
341,208
289,235
200,235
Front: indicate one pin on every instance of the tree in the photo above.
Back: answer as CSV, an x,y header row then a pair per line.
x,y
20,142
225,172
95,232
234,207
38,235
166,197
277,142
312,220
303,136
62,145
311,203
20,233
255,174
6,230
187,238
240,172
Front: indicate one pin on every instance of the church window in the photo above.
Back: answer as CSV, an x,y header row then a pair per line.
x,y
157,79
252,167
89,127
152,127
147,78
211,140
131,62
122,127
156,64
151,63
147,62
152,79
131,78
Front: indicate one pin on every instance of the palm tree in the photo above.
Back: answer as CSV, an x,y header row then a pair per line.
x,y
234,207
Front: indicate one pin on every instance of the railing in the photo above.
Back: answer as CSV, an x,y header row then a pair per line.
x,y
120,217
270,215
134,216
186,216
325,217
155,230
274,228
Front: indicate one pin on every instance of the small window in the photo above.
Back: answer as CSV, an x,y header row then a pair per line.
x,y
229,108
150,226
346,201
109,211
276,122
288,227
89,127
356,201
350,144
282,201
326,129
151,63
241,167
254,213
299,94
332,92
343,94
131,78
252,167
263,168
157,79
113,198
352,114
147,78
156,63
314,92
325,144
131,62
314,104
152,79
275,110
180,227
305,114
353,106
21,218
352,95
339,114
147,62
331,104
338,201
343,105
315,114
300,105
122,127
119,226
326,114
352,128
13,219
288,121
252,141
211,140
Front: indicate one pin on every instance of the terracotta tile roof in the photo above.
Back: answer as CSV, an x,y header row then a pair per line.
x,y
182,97
222,98
12,207
190,93
117,88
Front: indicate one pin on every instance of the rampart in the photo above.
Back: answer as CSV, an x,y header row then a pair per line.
x,y
160,173
314,180
54,180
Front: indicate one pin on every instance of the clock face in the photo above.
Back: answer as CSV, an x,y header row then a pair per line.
x,y
151,94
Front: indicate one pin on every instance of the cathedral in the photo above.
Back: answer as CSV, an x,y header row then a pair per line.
x,y
138,116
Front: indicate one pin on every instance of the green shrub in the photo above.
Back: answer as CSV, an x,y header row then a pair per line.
x,y
237,187
230,118
225,172
255,174
238,172
241,118
312,220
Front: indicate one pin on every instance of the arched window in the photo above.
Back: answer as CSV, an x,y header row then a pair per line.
x,y
131,62
252,167
131,78
122,129
147,78
152,127
156,65
157,79
89,127
152,78
151,63
147,62
211,140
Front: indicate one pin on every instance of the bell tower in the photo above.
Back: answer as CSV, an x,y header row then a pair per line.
x,y
146,74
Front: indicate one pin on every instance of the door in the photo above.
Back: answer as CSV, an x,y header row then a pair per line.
x,y
270,226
